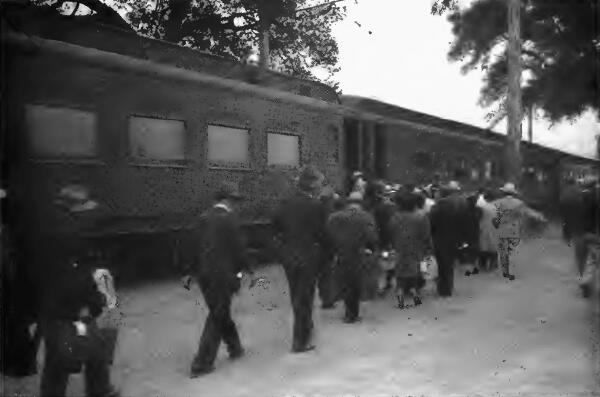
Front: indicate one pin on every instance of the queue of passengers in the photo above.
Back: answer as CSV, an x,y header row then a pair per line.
x,y
335,243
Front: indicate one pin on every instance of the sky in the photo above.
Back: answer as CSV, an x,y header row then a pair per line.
x,y
403,62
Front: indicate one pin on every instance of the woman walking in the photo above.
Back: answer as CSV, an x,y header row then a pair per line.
x,y
411,239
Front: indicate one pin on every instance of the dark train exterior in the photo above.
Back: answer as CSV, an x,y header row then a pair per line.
x,y
152,128
410,147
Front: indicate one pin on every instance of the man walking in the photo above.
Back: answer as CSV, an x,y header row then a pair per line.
x,y
353,234
299,224
220,257
511,213
448,219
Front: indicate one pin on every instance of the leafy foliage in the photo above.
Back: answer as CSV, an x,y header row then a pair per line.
x,y
300,33
560,52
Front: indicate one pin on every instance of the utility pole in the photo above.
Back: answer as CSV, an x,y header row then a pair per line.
x,y
264,47
513,152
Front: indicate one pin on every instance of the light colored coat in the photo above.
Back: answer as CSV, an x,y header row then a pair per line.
x,y
488,235
511,215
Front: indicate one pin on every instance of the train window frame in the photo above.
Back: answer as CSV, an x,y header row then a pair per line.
x,y
150,162
227,165
288,133
93,158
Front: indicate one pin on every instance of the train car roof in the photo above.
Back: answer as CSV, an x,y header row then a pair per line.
x,y
396,112
92,33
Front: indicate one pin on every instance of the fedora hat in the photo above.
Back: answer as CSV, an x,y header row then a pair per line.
x,y
509,188
310,179
228,190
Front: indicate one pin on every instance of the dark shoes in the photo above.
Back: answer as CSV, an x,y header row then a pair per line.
x,y
511,277
237,354
475,271
303,349
199,371
586,290
352,320
327,306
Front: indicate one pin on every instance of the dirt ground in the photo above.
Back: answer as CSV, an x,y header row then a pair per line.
x,y
532,336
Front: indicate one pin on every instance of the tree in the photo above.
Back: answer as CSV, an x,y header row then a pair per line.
x,y
560,52
299,39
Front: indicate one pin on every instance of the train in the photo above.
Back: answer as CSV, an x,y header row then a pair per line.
x,y
152,127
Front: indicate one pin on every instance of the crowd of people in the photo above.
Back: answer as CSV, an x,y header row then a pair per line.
x,y
355,245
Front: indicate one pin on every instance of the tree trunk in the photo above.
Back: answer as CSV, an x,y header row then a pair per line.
x,y
530,123
264,48
513,153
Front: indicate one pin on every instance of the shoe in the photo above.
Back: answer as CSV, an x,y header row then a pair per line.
x,y
327,306
475,271
417,300
304,349
511,277
196,372
352,320
586,290
237,354
467,273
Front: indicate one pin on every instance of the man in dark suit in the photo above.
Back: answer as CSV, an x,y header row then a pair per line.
x,y
447,219
71,302
354,235
299,225
220,257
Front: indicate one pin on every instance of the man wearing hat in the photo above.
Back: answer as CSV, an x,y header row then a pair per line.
x,y
220,257
299,225
71,303
511,213
353,234
448,230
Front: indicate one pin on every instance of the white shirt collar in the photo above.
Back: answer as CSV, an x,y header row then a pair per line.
x,y
222,206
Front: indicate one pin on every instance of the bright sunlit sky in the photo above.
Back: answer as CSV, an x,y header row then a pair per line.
x,y
403,62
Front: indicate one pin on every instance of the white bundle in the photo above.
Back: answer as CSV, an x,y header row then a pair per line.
x,y
106,287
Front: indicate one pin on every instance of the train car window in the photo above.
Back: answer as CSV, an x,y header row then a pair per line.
x,y
56,132
156,139
228,146
488,170
283,149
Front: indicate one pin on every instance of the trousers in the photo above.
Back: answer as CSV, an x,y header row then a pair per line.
x,y
219,325
506,247
445,259
302,283
55,374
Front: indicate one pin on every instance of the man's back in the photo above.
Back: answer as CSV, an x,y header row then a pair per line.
x,y
352,229
300,219
220,243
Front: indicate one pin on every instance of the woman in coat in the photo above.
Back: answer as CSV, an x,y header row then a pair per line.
x,y
488,235
411,239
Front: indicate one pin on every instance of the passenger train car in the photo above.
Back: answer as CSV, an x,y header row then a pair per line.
x,y
152,128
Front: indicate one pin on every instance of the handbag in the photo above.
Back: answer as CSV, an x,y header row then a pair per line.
x,y
429,268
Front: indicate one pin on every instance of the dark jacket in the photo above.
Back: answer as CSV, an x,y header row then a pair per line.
x,y
72,289
351,231
220,252
411,239
449,218
572,210
299,224
383,213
